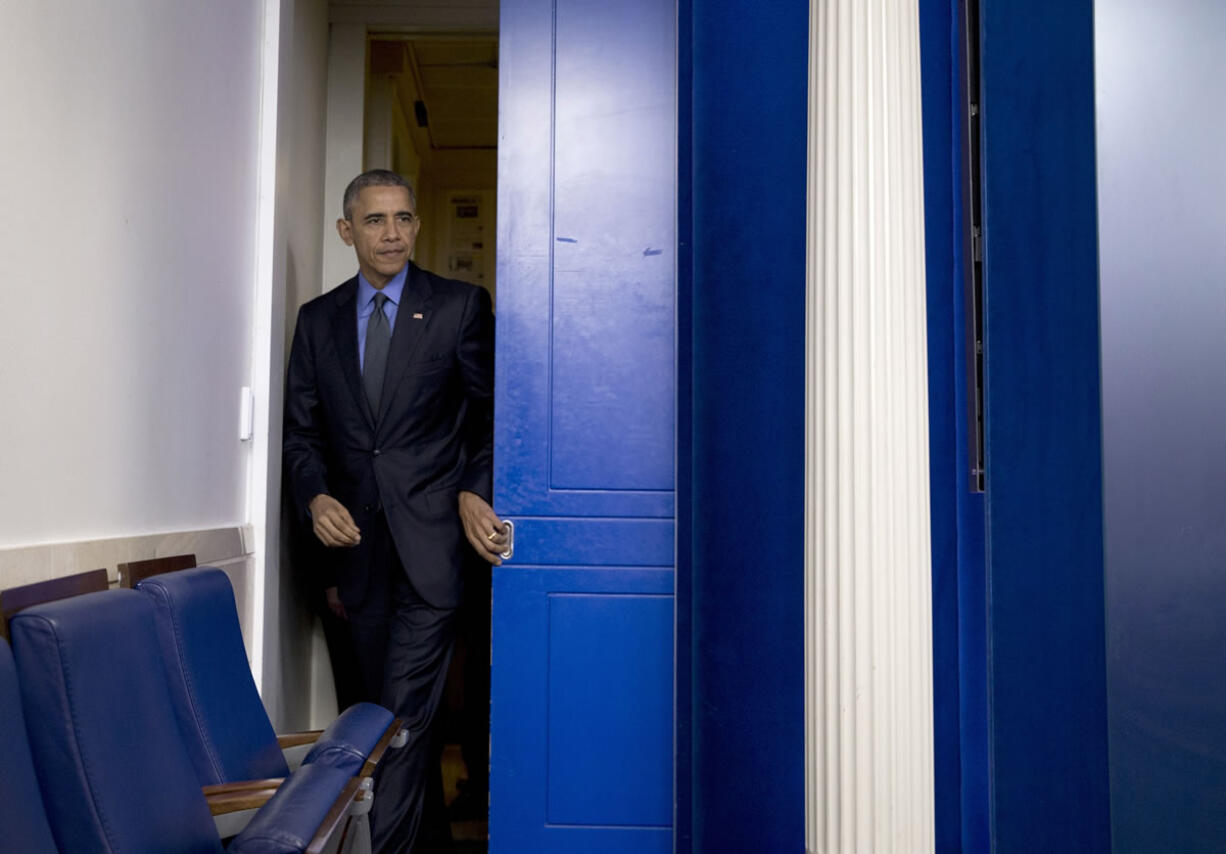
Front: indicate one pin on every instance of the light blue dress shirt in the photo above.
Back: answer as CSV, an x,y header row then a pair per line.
x,y
366,307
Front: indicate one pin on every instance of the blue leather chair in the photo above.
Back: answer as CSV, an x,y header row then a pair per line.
x,y
107,749
22,817
226,728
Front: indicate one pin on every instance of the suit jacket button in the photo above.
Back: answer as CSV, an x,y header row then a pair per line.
x,y
377,452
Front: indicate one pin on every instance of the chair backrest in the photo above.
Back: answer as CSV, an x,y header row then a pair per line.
x,y
110,757
225,726
22,816
15,599
135,571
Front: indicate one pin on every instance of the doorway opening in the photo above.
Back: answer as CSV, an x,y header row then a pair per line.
x,y
431,115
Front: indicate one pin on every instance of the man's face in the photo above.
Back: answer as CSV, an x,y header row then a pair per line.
x,y
382,232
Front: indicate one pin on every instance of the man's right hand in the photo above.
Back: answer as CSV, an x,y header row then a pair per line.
x,y
332,523
335,605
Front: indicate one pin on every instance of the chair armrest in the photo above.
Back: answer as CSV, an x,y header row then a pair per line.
x,y
310,807
394,736
243,795
293,739
346,804
296,746
362,731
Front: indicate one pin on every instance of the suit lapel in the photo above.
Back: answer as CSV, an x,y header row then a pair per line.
x,y
412,318
345,334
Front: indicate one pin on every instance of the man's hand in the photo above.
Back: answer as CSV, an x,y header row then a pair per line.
x,y
332,523
482,526
335,605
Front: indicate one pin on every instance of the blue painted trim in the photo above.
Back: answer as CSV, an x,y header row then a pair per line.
x,y
945,370
972,573
740,540
959,594
975,773
1048,715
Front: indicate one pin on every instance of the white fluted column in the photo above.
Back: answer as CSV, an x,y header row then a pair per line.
x,y
868,610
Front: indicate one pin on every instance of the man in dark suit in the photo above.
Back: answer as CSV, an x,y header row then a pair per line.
x,y
388,447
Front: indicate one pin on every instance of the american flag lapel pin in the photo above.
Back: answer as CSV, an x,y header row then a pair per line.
x,y
417,315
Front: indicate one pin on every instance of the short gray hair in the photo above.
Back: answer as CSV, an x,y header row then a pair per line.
x,y
374,178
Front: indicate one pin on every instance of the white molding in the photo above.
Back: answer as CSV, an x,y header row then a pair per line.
x,y
267,335
869,764
226,548
27,564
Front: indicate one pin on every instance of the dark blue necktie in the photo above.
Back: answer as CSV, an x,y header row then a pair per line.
x,y
374,362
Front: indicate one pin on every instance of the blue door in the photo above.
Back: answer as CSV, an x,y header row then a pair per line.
x,y
582,681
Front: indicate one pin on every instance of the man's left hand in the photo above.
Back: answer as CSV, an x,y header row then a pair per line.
x,y
485,531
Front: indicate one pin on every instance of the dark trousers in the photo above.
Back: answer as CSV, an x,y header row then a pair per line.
x,y
307,556
404,647
475,633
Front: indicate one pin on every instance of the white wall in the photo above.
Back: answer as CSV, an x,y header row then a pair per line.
x,y
128,146
161,167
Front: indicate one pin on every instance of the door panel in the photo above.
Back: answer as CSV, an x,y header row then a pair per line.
x,y
582,681
582,714
604,753
587,245
614,245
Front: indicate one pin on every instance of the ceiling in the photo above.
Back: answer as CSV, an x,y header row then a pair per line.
x,y
434,15
447,86
458,82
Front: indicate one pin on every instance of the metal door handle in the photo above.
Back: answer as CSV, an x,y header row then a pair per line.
x,y
510,552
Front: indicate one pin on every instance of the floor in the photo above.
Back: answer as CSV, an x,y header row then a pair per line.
x,y
471,837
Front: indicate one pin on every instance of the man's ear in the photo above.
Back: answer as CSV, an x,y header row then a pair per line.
x,y
345,229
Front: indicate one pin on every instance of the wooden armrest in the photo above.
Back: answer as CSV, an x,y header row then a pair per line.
x,y
332,821
381,746
293,739
244,795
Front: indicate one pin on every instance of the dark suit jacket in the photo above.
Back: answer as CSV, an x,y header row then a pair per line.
x,y
432,437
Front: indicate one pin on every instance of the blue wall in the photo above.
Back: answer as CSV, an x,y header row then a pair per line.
x,y
740,520
1162,232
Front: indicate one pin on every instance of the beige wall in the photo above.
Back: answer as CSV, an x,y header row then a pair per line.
x,y
289,680
442,174
435,175
301,156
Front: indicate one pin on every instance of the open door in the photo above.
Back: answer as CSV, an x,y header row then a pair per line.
x,y
582,694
